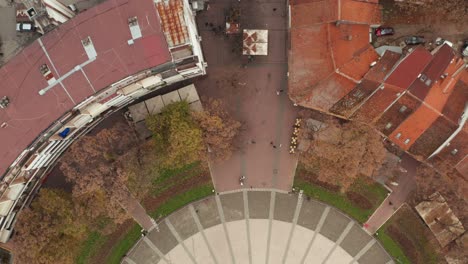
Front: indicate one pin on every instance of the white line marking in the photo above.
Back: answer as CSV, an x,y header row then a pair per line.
x,y
155,249
294,222
179,239
363,251
317,230
223,221
270,222
129,260
247,216
87,79
202,232
340,239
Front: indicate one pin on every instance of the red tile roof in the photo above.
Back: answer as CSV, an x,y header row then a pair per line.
x,y
383,66
433,137
432,72
360,12
107,24
376,104
325,56
409,68
413,127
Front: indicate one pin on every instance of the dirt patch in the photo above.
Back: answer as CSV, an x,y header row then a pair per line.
x,y
311,178
405,243
359,200
414,237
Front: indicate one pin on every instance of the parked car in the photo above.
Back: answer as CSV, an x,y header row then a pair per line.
x,y
384,31
24,26
414,40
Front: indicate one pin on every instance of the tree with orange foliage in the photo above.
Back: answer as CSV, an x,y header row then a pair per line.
x,y
339,153
219,129
92,165
50,230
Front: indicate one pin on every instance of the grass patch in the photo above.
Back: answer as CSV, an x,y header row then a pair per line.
x,y
182,199
337,200
373,191
407,239
171,177
90,246
392,247
171,205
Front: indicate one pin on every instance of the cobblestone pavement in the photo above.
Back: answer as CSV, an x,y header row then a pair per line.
x,y
249,89
229,228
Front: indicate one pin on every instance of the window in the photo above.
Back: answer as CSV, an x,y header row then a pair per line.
x,y
398,135
388,126
407,141
403,109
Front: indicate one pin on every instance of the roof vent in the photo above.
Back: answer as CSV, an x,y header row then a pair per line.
x,y
134,28
423,77
4,102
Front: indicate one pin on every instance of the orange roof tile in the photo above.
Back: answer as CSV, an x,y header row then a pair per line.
x,y
324,53
462,167
376,104
359,65
360,12
455,105
349,103
413,127
308,13
433,137
327,92
310,60
348,42
384,65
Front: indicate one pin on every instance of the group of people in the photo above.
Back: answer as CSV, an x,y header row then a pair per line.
x,y
297,126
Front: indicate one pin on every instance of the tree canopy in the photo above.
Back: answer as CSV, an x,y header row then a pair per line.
x,y
50,231
92,164
177,137
219,129
339,153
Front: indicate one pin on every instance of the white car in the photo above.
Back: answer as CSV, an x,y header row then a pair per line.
x,y
24,26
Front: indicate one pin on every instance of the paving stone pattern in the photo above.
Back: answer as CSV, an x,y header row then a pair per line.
x,y
277,228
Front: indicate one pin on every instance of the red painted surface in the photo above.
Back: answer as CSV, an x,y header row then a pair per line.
x,y
433,71
409,69
107,24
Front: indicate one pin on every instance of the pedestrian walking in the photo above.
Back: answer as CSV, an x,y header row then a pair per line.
x,y
271,143
274,146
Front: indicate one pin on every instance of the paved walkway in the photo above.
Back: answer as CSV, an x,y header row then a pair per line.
x,y
258,226
250,92
138,213
397,198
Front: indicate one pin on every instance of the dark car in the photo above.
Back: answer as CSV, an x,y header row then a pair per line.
x,y
465,48
414,40
384,31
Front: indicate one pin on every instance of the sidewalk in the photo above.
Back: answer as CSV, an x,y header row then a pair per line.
x,y
397,198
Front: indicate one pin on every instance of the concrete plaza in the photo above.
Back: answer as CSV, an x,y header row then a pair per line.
x,y
229,228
